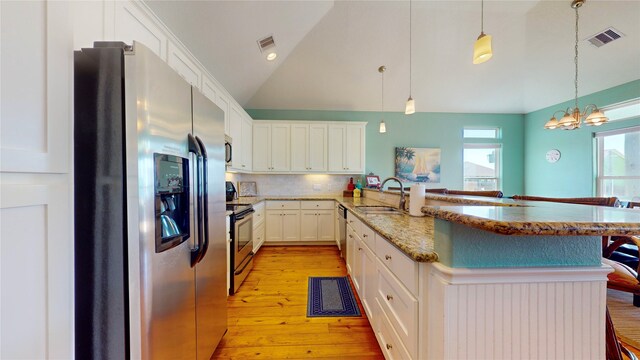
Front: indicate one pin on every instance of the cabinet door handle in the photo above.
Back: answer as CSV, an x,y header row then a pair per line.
x,y
351,236
359,249
389,297
389,347
364,235
387,257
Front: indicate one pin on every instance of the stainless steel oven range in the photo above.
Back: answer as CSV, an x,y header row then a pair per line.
x,y
241,244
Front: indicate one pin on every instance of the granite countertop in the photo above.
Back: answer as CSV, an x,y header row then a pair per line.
x,y
412,235
517,217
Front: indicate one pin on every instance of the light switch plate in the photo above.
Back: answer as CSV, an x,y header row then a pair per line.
x,y
317,187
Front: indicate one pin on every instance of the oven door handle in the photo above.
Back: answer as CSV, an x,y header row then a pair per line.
x,y
238,218
246,263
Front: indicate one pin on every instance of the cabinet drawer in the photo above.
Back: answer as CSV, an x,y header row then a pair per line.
x,y
283,205
400,306
403,267
368,236
388,339
354,222
316,205
258,215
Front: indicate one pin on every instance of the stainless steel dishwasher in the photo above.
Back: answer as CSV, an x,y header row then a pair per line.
x,y
342,229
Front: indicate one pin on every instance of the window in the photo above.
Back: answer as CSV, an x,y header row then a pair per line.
x,y
480,133
482,167
618,163
623,111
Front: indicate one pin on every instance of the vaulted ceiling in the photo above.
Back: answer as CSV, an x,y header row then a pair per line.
x,y
329,52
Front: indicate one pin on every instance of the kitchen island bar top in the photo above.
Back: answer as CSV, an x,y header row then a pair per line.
x,y
415,235
517,217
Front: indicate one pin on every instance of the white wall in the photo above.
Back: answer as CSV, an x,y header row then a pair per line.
x,y
36,152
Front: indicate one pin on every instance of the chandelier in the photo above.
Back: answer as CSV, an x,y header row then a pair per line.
x,y
572,118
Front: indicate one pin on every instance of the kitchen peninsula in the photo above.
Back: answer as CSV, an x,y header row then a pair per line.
x,y
481,277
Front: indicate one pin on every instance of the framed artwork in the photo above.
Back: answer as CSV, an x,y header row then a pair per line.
x,y
373,181
418,164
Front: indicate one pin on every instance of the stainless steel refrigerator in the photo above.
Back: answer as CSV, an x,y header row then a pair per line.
x,y
150,251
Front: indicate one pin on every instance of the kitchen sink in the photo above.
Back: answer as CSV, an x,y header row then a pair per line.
x,y
378,210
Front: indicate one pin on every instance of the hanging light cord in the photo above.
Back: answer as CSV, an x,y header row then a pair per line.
x,y
382,93
576,60
482,17
410,50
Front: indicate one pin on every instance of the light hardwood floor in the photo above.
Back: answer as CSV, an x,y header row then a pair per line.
x,y
268,315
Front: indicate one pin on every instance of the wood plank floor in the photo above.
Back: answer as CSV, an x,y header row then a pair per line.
x,y
268,315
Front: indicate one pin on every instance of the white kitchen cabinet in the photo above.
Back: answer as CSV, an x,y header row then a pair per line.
x,y
258,226
271,147
183,64
346,148
214,93
368,281
223,103
350,244
308,147
131,22
247,143
241,130
356,266
316,225
36,211
283,221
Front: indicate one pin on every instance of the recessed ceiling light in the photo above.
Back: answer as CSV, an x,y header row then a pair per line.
x,y
272,56
267,47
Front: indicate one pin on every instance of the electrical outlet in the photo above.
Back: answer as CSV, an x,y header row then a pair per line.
x,y
317,187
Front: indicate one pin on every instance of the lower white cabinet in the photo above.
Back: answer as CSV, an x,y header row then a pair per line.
x,y
282,225
317,225
288,220
258,226
391,305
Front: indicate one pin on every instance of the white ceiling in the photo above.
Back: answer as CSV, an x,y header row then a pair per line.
x,y
329,52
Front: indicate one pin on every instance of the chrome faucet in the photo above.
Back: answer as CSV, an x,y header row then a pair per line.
x,y
403,201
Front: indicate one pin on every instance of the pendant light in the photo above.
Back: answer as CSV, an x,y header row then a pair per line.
x,y
572,118
410,108
482,48
383,127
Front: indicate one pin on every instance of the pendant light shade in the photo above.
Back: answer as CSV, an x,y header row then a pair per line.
x,y
411,106
551,124
482,49
596,118
383,127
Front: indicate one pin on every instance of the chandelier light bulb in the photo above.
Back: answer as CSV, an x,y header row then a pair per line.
x,y
410,107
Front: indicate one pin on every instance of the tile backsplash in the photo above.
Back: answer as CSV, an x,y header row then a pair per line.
x,y
283,185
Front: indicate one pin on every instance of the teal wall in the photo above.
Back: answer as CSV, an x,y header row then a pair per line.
x,y
437,130
573,175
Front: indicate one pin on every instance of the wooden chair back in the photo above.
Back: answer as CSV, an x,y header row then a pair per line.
x,y
495,194
437,191
597,201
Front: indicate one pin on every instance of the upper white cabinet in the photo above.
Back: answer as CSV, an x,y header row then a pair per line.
x,y
271,147
131,23
182,63
241,129
308,147
247,143
346,148
37,77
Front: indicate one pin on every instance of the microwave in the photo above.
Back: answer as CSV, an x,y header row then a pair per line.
x,y
228,150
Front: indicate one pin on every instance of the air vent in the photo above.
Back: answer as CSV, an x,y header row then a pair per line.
x,y
605,37
266,43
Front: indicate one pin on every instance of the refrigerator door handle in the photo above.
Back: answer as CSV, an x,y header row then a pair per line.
x,y
205,200
194,147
